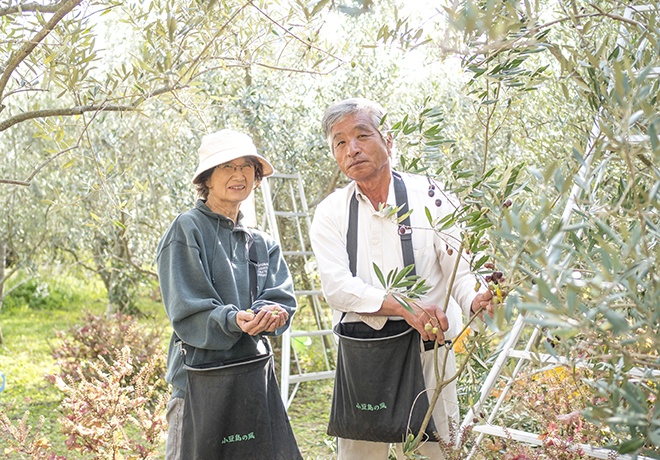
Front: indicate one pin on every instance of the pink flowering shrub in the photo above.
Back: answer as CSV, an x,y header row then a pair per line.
x,y
22,441
116,414
115,396
104,336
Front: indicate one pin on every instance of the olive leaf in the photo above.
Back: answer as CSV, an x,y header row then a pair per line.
x,y
401,285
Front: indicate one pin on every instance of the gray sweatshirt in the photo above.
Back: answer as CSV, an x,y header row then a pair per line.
x,y
203,267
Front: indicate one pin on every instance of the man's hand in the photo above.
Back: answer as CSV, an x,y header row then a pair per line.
x,y
429,320
268,318
483,302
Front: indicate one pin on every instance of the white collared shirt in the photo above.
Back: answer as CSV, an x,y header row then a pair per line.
x,y
379,243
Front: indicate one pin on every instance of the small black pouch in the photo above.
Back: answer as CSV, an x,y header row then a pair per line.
x,y
379,392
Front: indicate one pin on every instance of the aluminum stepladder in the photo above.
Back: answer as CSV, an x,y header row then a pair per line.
x,y
286,209
508,351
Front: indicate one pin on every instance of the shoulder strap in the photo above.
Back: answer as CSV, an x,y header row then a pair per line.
x,y
252,267
405,230
351,234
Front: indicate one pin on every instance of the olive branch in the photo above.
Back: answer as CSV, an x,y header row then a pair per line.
x,y
402,286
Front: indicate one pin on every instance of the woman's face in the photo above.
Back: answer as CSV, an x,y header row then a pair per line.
x,y
231,183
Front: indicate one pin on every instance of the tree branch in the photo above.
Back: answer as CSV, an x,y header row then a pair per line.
x,y
334,179
521,41
29,46
14,182
288,32
31,7
76,110
286,69
42,165
221,30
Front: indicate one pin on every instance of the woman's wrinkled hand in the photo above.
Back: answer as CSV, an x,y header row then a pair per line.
x,y
268,318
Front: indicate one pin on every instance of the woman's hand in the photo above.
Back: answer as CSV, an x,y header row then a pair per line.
x,y
268,319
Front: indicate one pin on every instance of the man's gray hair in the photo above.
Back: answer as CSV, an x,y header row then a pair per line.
x,y
340,109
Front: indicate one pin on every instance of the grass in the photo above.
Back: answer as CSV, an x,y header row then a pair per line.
x,y
25,360
309,413
29,335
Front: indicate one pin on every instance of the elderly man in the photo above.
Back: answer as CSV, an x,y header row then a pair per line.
x,y
362,146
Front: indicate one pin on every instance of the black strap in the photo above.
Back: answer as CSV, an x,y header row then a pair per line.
x,y
405,233
405,230
253,271
351,235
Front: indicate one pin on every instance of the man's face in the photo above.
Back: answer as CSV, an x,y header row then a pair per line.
x,y
358,147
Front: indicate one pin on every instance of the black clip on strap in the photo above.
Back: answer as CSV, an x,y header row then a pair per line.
x,y
405,229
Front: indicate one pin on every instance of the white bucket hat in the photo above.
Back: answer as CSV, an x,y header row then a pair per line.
x,y
226,145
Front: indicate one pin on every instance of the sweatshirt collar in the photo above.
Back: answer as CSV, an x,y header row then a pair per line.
x,y
225,221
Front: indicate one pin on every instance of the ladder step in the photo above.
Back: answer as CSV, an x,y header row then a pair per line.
x,y
284,176
297,253
291,214
312,292
297,378
318,333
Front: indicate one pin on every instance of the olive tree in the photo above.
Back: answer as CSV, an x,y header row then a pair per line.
x,y
557,169
76,71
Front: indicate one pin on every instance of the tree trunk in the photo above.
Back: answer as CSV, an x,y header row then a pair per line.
x,y
3,255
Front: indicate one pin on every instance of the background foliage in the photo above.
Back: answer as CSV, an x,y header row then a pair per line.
x,y
548,107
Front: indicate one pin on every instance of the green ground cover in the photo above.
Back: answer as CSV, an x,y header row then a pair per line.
x,y
30,333
25,360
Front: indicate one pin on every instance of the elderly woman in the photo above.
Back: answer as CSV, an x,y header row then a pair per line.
x,y
220,311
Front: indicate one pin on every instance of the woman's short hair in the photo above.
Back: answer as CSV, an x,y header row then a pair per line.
x,y
339,110
201,180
